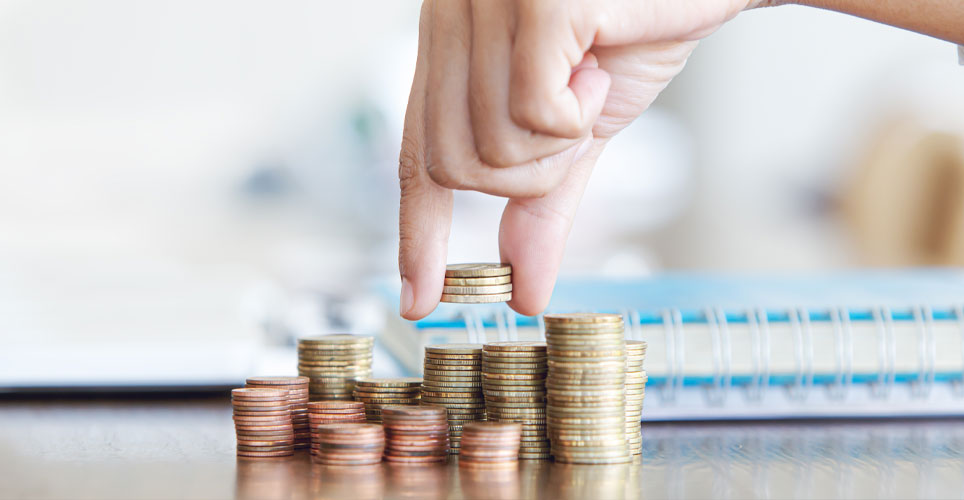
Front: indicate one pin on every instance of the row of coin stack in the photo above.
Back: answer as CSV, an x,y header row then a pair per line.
x,y
297,388
452,379
635,392
586,393
477,283
333,363
514,384
332,412
262,422
490,445
415,434
378,393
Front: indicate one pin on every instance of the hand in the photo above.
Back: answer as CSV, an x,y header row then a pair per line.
x,y
518,99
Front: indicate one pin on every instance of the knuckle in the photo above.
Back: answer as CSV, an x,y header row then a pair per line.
x,y
538,115
408,164
445,173
500,152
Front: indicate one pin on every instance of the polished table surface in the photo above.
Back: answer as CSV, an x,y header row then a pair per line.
x,y
171,448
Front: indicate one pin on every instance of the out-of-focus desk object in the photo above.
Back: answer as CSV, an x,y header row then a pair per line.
x,y
168,448
905,204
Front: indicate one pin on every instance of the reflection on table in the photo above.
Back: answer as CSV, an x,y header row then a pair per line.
x,y
900,459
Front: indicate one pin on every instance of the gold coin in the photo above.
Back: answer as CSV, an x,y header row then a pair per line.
x,y
519,365
432,362
569,318
442,385
476,299
493,280
513,376
454,349
477,290
477,270
431,376
515,346
390,382
513,394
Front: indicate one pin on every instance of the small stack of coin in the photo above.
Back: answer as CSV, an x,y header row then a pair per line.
x,y
415,434
514,384
333,363
490,444
297,388
586,394
452,379
379,392
262,421
349,444
477,283
635,392
333,412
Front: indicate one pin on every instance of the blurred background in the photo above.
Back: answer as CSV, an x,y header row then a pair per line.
x,y
186,186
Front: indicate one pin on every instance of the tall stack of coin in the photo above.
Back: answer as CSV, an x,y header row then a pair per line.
x,y
377,393
490,444
452,379
333,412
262,421
586,394
477,283
333,363
514,384
350,444
635,392
297,388
415,434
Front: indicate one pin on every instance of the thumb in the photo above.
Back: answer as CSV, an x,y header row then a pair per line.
x,y
534,232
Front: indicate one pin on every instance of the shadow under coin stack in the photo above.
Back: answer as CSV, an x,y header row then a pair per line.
x,y
333,412
635,392
333,363
514,384
350,444
477,283
377,393
297,388
415,434
490,444
452,379
262,421
586,394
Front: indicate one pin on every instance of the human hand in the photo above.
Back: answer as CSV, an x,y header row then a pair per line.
x,y
518,99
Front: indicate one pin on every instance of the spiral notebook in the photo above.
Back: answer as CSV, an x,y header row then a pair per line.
x,y
854,344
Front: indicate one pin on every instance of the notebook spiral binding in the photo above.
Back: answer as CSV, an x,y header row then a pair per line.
x,y
717,392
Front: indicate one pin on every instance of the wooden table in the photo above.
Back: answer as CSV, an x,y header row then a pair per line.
x,y
184,448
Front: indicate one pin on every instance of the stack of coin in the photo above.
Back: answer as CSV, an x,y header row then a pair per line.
x,y
379,392
452,379
262,421
333,412
586,394
333,363
350,444
297,388
635,392
490,444
477,283
415,434
514,384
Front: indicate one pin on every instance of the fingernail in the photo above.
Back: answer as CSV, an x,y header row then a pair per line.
x,y
407,299
583,149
